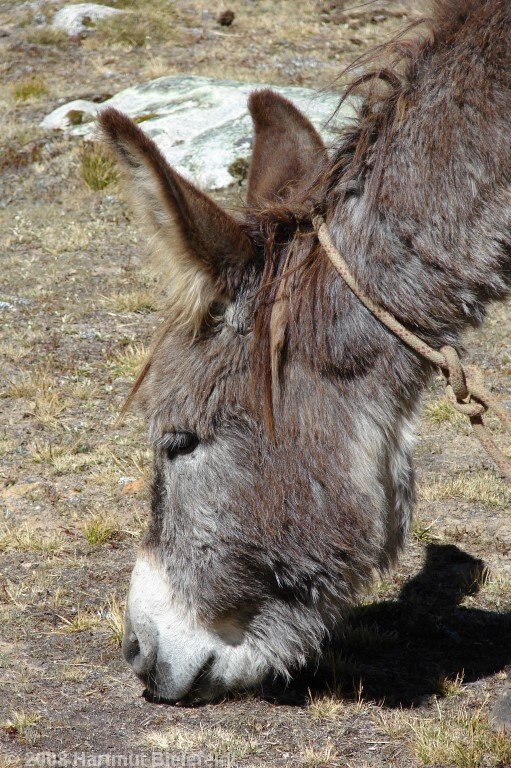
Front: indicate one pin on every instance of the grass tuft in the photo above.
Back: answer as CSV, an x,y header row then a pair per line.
x,y
144,23
139,302
314,757
129,30
422,532
446,688
366,638
441,412
326,707
129,361
82,621
98,170
30,88
98,529
22,725
47,36
114,620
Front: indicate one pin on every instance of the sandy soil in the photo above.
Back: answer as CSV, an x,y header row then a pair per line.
x,y
424,658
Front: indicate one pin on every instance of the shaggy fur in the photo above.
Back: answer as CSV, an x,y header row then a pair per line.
x,y
276,531
207,246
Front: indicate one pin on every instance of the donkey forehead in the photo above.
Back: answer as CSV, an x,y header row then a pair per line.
x,y
192,386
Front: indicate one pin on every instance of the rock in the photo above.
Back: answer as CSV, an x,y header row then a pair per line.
x,y
72,113
201,125
78,19
500,715
226,18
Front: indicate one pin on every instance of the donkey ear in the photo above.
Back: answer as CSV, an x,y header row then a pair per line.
x,y
201,248
287,148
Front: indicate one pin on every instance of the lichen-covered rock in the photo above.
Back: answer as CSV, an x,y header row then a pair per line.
x,y
78,19
201,125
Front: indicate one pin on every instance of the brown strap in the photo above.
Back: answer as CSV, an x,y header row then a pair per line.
x,y
465,388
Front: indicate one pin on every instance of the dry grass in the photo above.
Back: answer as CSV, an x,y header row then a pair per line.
x,y
422,531
143,24
461,737
24,538
314,757
83,389
326,707
82,621
30,384
29,88
218,741
156,66
73,253
23,726
66,459
446,688
75,672
364,637
47,36
47,402
10,762
98,169
497,589
129,361
139,302
483,487
114,620
7,445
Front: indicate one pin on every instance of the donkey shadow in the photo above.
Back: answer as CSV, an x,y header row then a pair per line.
x,y
397,652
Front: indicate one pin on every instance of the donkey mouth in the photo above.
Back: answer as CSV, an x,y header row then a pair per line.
x,y
202,689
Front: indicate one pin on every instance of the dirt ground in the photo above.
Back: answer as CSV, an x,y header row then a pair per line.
x,y
424,658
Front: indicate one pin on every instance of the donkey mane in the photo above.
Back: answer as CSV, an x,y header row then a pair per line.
x,y
382,91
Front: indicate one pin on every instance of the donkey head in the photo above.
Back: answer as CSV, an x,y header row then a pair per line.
x,y
234,579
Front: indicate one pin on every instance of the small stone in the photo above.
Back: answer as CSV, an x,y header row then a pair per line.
x,y
226,18
123,481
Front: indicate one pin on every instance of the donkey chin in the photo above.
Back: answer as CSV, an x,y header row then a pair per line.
x,y
180,659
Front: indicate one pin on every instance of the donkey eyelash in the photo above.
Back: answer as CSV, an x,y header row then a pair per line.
x,y
175,443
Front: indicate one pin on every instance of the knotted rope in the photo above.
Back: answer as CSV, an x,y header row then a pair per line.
x,y
465,388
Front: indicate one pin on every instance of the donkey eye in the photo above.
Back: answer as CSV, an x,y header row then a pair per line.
x,y
179,443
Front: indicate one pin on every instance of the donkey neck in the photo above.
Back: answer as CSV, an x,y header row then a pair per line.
x,y
435,277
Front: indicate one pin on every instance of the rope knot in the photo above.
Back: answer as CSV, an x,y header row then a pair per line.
x,y
458,388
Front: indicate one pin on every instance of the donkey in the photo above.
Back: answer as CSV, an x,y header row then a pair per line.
x,y
281,412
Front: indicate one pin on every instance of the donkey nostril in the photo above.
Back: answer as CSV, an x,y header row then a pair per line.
x,y
141,656
131,647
